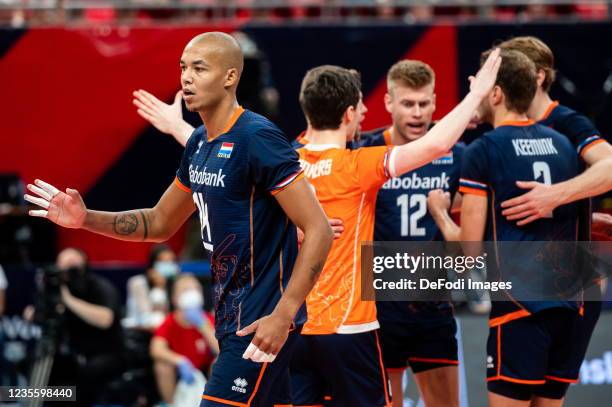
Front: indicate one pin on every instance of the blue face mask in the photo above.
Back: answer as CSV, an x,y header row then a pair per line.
x,y
166,268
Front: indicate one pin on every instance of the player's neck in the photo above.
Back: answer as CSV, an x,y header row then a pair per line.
x,y
216,119
506,116
540,104
320,137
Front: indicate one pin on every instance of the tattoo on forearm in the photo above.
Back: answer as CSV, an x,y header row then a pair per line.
x,y
145,224
125,224
315,270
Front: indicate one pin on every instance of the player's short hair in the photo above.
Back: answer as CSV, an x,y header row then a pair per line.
x,y
326,92
410,73
516,78
538,52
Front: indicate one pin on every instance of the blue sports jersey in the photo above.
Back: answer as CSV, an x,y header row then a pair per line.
x,y
254,245
491,166
402,215
583,134
401,205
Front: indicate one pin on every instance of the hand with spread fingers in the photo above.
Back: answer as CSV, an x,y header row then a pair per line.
x,y
66,209
166,118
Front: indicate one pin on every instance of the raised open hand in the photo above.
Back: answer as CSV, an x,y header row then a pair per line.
x,y
66,209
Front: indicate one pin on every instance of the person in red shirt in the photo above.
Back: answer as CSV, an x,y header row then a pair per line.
x,y
185,341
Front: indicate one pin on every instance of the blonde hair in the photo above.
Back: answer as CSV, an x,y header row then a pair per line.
x,y
411,73
538,52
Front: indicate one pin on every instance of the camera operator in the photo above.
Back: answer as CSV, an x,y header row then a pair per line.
x,y
93,351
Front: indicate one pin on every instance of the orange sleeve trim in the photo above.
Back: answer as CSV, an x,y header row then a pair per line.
x,y
472,191
513,380
223,401
561,379
581,310
589,146
297,178
434,360
549,110
261,373
181,186
327,398
504,319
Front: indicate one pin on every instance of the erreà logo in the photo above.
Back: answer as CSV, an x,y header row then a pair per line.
x,y
240,385
226,150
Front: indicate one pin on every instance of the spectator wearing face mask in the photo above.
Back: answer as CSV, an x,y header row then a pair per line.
x,y
147,299
185,341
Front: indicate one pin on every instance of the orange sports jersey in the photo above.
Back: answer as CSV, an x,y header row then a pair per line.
x,y
346,183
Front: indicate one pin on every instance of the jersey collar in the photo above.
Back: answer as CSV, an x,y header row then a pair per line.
x,y
231,122
519,123
549,110
322,147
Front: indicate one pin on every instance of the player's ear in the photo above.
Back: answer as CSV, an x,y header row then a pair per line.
x,y
231,77
350,114
496,95
540,77
388,102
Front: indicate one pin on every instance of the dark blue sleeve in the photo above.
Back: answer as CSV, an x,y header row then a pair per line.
x,y
475,169
579,129
273,163
182,174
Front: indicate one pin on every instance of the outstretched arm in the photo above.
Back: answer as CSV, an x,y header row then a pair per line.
x,y
542,198
301,206
155,224
441,138
166,118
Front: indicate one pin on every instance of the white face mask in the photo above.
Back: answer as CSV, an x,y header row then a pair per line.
x,y
166,268
190,299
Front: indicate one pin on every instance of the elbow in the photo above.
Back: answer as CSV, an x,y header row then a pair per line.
x,y
327,235
106,320
443,148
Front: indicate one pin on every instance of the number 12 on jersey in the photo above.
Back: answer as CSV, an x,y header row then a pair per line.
x,y
409,217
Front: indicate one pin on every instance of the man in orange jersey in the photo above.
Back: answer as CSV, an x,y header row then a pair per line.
x,y
346,183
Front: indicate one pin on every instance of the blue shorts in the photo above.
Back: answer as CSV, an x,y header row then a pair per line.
x,y
534,349
239,382
346,366
424,345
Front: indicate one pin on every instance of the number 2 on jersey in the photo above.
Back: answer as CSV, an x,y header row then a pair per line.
x,y
409,220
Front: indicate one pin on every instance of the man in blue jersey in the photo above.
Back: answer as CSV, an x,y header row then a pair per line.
x,y
245,180
418,334
529,342
594,150
593,147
